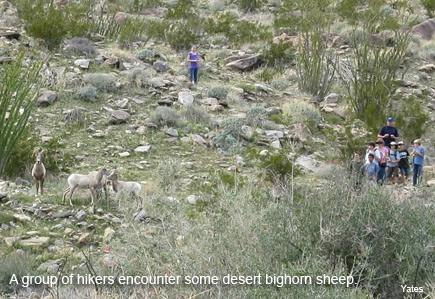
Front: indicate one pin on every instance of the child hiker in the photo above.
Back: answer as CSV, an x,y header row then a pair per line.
x,y
372,170
393,162
356,170
404,161
193,59
417,155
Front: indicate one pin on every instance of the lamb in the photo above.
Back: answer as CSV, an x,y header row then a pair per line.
x,y
39,172
130,187
91,182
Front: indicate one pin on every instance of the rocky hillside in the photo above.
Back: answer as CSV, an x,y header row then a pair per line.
x,y
244,172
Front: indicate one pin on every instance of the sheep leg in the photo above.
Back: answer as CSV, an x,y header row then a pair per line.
x,y
92,196
37,187
65,193
42,187
71,194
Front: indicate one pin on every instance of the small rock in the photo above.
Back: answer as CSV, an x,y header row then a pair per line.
x,y
172,132
84,239
62,214
209,101
247,132
427,68
120,17
35,242
140,216
114,62
5,227
118,117
275,144
22,217
273,110
108,235
124,154
21,182
216,108
81,215
50,266
34,296
143,148
332,98
161,67
46,97
10,241
191,199
185,97
82,63
274,134
431,183
264,153
122,103
198,139
68,231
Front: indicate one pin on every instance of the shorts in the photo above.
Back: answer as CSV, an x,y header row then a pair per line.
x,y
392,171
405,171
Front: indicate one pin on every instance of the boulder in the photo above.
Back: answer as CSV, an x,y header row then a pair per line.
x,y
143,148
140,216
427,68
209,101
84,239
244,64
10,241
185,97
62,214
161,67
198,139
9,33
172,132
425,29
82,63
114,62
192,199
274,134
35,242
118,117
120,17
22,217
46,97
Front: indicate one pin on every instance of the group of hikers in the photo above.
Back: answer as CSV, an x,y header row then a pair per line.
x,y
387,158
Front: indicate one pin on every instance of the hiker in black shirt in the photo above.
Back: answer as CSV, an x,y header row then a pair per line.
x,y
405,170
388,133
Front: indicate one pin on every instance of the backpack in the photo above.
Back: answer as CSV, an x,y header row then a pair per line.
x,y
395,155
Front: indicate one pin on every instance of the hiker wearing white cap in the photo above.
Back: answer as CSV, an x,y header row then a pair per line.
x,y
405,170
393,162
389,133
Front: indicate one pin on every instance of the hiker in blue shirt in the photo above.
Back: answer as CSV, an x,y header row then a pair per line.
x,y
372,169
417,155
388,133
193,59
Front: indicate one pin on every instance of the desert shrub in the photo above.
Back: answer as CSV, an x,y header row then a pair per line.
x,y
365,231
105,25
256,116
279,55
218,92
280,84
76,115
224,141
14,263
428,51
197,114
80,46
429,5
410,117
138,77
22,158
217,5
17,103
133,29
278,168
250,5
89,93
166,116
167,173
146,55
139,5
233,126
267,74
302,112
237,32
102,82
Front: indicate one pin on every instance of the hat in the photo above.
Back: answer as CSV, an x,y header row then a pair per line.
x,y
389,119
380,141
371,143
393,143
400,143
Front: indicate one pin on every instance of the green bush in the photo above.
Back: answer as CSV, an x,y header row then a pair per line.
x,y
146,55
256,116
279,55
102,82
233,126
412,120
80,46
218,92
167,173
197,114
302,112
427,51
17,102
166,116
250,5
224,141
11,264
429,5
280,84
138,77
365,231
278,168
88,94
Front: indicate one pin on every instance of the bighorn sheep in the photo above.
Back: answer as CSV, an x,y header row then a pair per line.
x,y
91,182
39,171
130,187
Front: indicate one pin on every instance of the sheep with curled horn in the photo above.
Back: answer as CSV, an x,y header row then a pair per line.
x,y
39,171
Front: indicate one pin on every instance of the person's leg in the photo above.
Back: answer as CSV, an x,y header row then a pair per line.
x,y
196,75
420,169
396,175
191,74
381,175
415,175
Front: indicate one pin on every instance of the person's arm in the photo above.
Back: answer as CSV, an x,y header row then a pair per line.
x,y
382,134
188,58
378,155
420,153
